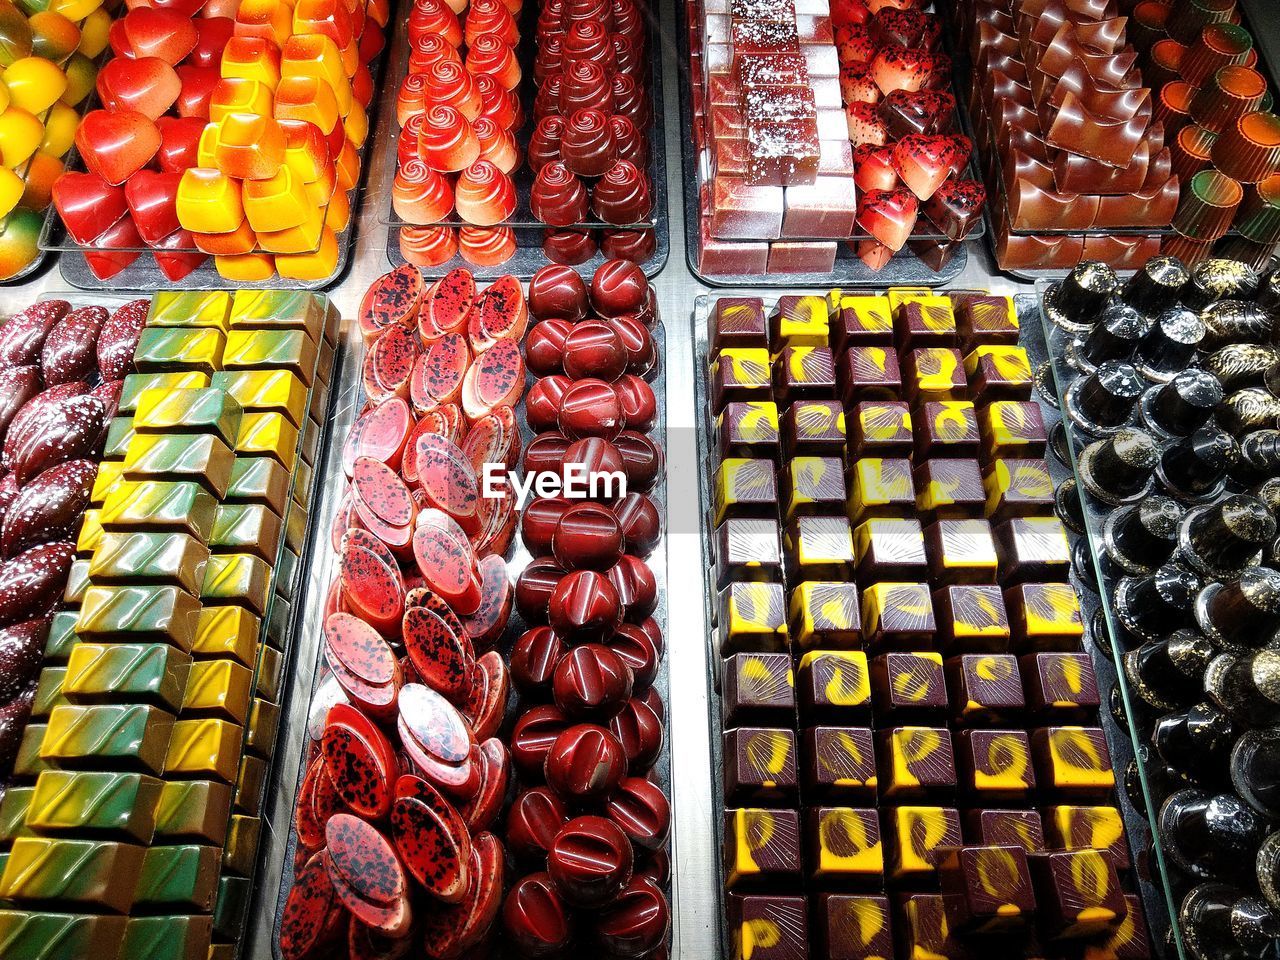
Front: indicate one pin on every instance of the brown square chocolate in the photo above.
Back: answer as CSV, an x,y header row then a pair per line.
x,y
985,688
814,428
934,373
1032,549
949,488
995,766
946,428
1061,687
880,428
838,765
1077,893
804,373
1004,828
972,618
889,548
868,372
737,322
986,889
749,429
908,687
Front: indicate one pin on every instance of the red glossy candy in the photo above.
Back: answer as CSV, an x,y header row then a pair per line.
x,y
152,32
359,760
618,287
213,34
495,772
448,479
493,440
542,405
637,923
635,336
643,812
490,684
440,655
363,665
533,821
545,454
306,910
381,433
538,523
587,537
594,349
153,202
363,858
431,846
533,661
590,408
534,587
68,354
87,204
535,918
653,700
557,292
639,405
641,523
450,931
590,861
585,763
495,378
591,682
114,249
116,144
544,346
584,606
532,737
148,85
642,458
434,724
485,626
595,459
446,561
637,588
371,588
639,730
655,867
639,652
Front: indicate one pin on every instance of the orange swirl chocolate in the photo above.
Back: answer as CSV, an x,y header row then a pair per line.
x,y
1017,487
869,372
825,614
767,927
843,843
985,688
752,616
852,926
984,318
838,764
758,688
915,838
1073,762
1012,428
881,428
947,428
907,685
747,550
814,485
1061,686
924,320
740,373
915,763
749,429
1021,828
1032,549
761,847
834,685
1088,828
934,373
949,488
759,765
972,618
799,321
998,372
995,765
986,889
1044,616
862,320
804,373
880,487
737,322
745,488
819,548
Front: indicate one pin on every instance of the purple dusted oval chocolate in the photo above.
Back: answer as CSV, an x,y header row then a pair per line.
x,y
119,339
643,812
48,508
545,453
70,351
535,586
597,460
590,408
642,459
637,923
542,405
363,858
636,586
17,386
532,736
32,582
584,607
641,523
21,652
538,523
534,656
618,287
635,336
594,349
591,682
544,346
535,818
640,653
535,918
109,392
639,405
590,861
23,335
639,729
585,763
33,414
557,292
587,537
69,431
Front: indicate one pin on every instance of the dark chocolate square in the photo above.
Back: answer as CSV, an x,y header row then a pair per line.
x,y
759,689
1004,828
799,321
1018,487
749,429
814,428
995,766
761,848
1061,687
737,322
838,765
747,550
961,552
835,687
880,487
985,688
907,687
924,321
1012,428
1130,940
880,428
826,614
769,927
814,486
745,488
852,926
759,766
923,930
843,846
986,889
949,488
740,373
890,548
998,372
946,428
934,373
915,838
915,763
819,548
972,619
1069,827
898,616
1044,616
804,373
1077,894
868,372
1073,763
1032,549
862,320
752,616
985,318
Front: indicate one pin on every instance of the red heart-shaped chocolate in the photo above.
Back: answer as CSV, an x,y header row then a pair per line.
x,y
115,249
214,32
166,34
147,85
197,90
179,142
888,215
116,144
87,205
174,255
153,201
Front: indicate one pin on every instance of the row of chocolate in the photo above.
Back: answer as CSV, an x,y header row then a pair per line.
x,y
902,684
1180,460
133,825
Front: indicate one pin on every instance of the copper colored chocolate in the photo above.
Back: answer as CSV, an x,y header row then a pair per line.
x,y
637,923
640,652
639,405
587,537
643,812
569,246
538,523
642,459
533,661
595,460
544,346
638,728
542,404
590,861
583,605
637,589
591,682
590,408
557,292
535,917
545,453
535,586
535,818
619,287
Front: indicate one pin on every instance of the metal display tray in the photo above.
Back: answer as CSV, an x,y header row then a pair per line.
x,y
310,670
1097,645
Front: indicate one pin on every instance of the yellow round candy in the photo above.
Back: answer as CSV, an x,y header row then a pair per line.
x,y
5,99
18,236
82,73
35,83
59,129
20,135
246,268
15,34
53,36
41,170
75,10
94,33
11,189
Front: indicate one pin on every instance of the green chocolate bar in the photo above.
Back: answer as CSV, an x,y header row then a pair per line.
x,y
278,623
227,632
189,308
242,844
310,441
279,309
208,748
207,410
153,673
232,907
69,871
86,801
324,363
144,613
160,505
136,383
268,435
286,573
13,814
62,636
220,688
264,721
295,528
166,349
77,583
238,578
281,391
246,528
28,935
28,764
133,735
179,878
143,558
198,457
271,349
168,938
119,434
193,810
259,480
49,691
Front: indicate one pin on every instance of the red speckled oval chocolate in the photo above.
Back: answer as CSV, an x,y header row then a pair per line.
x,y
534,588
459,780
532,736
310,830
363,858
485,626
590,861
639,730
637,923
500,312
391,300
639,405
446,561
495,378
535,818
371,590
447,478
23,335
587,537
359,648
487,704
450,931
436,857
382,491
558,292
490,441
591,682
584,606
584,763
359,760
482,810
365,943
498,522
390,919
643,812
363,538
434,723
419,789
388,364
590,408
438,374
380,433
535,918
639,652
534,656
306,909
446,307
544,346
542,405
594,349
440,655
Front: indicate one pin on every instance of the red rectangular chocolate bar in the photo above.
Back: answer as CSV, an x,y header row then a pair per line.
x,y
729,257
791,256
765,105
754,37
782,153
774,70
742,211
824,208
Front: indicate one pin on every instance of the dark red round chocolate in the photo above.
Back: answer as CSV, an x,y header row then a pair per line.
x,y
642,459
618,287
532,736
535,818
587,537
538,523
545,453
585,763
656,866
542,404
590,408
639,405
594,349
638,341
590,861
637,923
639,730
591,682
535,586
636,586
569,246
595,467
643,812
653,700
558,292
534,917
639,652
544,346
640,521
583,607
534,656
